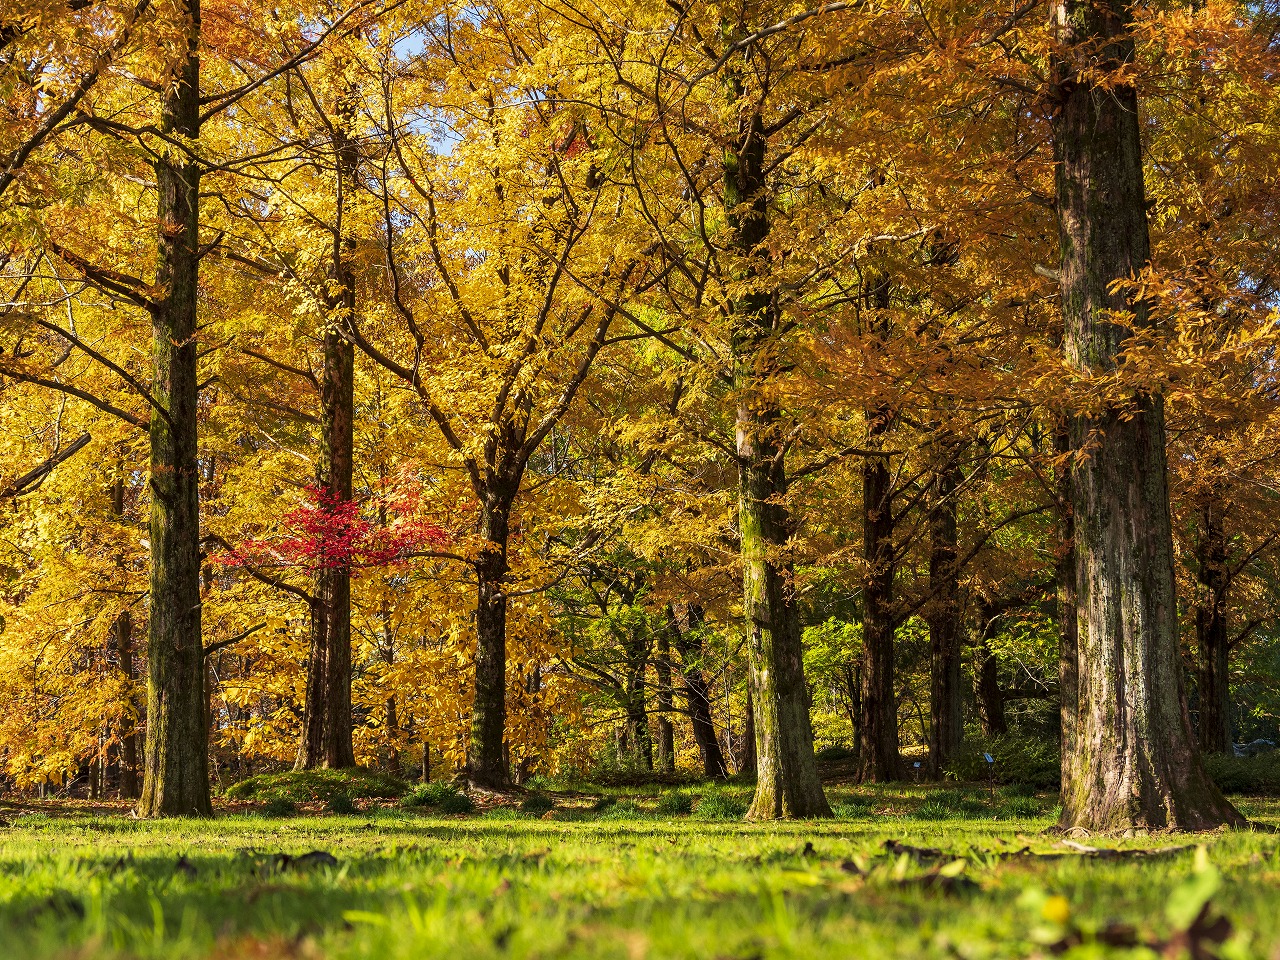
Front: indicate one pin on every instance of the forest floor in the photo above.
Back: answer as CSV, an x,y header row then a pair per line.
x,y
903,872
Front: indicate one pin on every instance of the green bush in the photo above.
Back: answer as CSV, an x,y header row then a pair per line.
x,y
720,806
1029,762
675,803
341,804
317,786
279,807
835,754
1252,776
537,803
443,797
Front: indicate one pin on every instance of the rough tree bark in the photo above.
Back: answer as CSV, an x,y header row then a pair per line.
x,y
176,780
1134,761
946,732
1213,686
689,646
326,718
486,762
879,759
787,783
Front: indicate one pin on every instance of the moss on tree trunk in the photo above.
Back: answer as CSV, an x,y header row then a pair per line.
x,y
1133,760
787,783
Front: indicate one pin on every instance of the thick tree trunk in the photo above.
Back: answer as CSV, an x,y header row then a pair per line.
x,y
879,759
666,729
1134,759
946,732
486,757
787,783
1213,685
176,780
689,646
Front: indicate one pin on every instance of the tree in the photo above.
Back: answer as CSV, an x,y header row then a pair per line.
x,y
1133,759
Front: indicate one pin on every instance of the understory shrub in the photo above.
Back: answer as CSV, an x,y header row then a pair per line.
x,y
441,796
317,786
279,807
1251,776
1029,762
675,803
537,803
716,805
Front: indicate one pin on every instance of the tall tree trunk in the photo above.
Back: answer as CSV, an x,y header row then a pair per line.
x,y
945,624
666,729
879,759
689,646
326,719
176,780
787,783
1134,759
486,758
1211,632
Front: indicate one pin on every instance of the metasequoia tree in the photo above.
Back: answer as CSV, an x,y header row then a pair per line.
x,y
176,758
1134,760
494,327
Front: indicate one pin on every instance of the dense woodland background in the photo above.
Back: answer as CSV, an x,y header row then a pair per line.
x,y
502,387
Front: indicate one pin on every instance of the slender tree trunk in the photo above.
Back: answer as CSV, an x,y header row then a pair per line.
x,y
122,637
787,783
987,685
1214,686
327,721
689,646
666,729
945,624
123,630
1134,759
879,759
486,763
176,780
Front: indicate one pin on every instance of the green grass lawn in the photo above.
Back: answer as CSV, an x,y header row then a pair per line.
x,y
614,877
